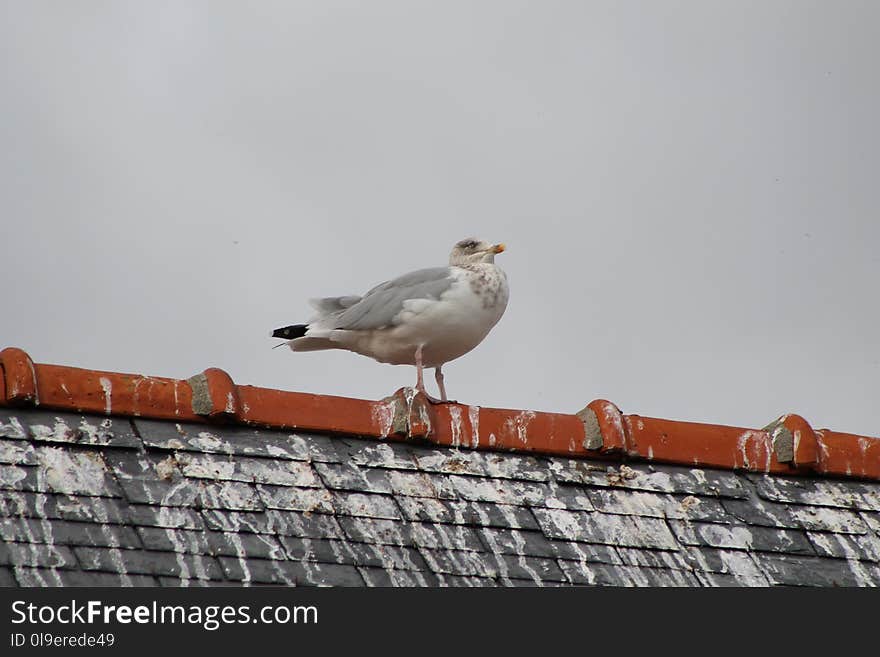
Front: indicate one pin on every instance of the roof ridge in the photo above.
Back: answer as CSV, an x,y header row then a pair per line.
x,y
788,445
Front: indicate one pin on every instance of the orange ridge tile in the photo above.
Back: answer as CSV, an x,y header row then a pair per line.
x,y
19,377
788,445
214,394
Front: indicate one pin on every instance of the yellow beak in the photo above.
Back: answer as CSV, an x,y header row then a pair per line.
x,y
498,248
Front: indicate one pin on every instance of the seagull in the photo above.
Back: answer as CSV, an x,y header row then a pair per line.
x,y
424,318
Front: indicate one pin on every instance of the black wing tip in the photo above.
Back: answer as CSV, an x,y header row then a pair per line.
x,y
290,332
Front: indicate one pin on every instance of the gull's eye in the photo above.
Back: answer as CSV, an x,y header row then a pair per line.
x,y
467,244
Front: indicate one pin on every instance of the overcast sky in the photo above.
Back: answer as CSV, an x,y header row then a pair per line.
x,y
688,191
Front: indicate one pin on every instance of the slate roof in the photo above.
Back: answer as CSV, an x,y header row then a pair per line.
x,y
90,500
123,499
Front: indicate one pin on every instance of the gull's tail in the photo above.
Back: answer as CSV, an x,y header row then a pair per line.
x,y
296,340
290,332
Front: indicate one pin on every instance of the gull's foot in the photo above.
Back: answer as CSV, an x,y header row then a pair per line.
x,y
432,399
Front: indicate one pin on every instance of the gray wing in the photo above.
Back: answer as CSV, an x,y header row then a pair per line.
x,y
378,308
331,305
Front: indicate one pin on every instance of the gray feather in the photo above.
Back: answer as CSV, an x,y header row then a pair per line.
x,y
330,305
379,307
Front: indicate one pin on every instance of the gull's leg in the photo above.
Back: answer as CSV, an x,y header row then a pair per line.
x,y
420,381
438,376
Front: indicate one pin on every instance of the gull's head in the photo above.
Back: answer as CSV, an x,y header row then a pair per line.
x,y
471,251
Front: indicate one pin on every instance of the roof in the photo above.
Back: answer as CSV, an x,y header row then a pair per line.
x,y
115,479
